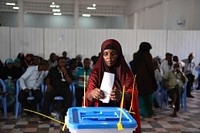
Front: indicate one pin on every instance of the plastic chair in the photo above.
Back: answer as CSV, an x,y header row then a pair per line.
x,y
73,90
60,98
158,93
183,98
4,98
164,96
18,105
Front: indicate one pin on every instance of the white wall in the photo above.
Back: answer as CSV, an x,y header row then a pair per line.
x,y
87,42
4,43
138,5
150,18
164,14
184,11
196,18
182,43
59,40
26,40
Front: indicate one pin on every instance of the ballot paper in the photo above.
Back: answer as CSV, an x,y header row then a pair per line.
x,y
107,85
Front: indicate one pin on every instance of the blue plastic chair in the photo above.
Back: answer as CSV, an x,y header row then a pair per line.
x,y
4,98
60,98
164,96
73,90
183,98
18,105
158,93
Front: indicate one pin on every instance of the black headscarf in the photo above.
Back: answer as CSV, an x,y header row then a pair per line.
x,y
144,47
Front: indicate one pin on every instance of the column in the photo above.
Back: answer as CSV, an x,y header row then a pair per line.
x,y
76,14
165,12
135,23
20,14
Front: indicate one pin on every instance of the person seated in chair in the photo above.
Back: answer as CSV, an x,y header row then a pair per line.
x,y
83,72
57,81
174,81
30,83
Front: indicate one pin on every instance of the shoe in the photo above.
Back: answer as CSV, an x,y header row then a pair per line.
x,y
173,106
156,105
173,115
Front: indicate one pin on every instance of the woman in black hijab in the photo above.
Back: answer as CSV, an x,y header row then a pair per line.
x,y
143,68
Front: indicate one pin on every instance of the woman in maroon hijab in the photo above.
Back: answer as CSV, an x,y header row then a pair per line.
x,y
112,60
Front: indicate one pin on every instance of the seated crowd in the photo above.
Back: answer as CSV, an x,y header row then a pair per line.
x,y
58,72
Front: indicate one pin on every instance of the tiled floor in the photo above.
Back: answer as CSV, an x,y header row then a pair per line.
x,y
186,122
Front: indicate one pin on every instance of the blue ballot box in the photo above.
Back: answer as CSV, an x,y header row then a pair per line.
x,y
99,120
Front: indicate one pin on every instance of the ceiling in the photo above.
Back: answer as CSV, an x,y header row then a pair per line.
x,y
103,7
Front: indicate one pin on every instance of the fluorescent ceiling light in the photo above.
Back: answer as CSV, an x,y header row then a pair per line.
x,y
57,14
91,8
15,7
55,10
10,4
57,6
86,15
52,6
94,5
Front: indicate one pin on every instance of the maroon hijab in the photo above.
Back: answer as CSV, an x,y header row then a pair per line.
x,y
122,71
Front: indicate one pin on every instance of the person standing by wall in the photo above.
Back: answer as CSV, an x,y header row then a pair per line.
x,y
189,72
142,66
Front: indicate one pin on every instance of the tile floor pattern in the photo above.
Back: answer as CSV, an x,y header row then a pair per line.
x,y
186,122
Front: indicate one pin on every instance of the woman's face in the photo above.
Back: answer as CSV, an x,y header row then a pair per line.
x,y
110,57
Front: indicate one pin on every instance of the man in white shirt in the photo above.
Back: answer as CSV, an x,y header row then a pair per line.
x,y
167,63
30,83
189,72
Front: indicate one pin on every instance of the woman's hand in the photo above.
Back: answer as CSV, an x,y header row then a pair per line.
x,y
97,94
115,95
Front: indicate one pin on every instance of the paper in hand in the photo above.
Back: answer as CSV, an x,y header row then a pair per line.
x,y
107,85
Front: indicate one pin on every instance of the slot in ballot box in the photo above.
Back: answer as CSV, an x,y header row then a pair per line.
x,y
99,120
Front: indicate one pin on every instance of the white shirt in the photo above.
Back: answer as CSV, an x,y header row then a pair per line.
x,y
158,75
189,67
165,67
32,78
